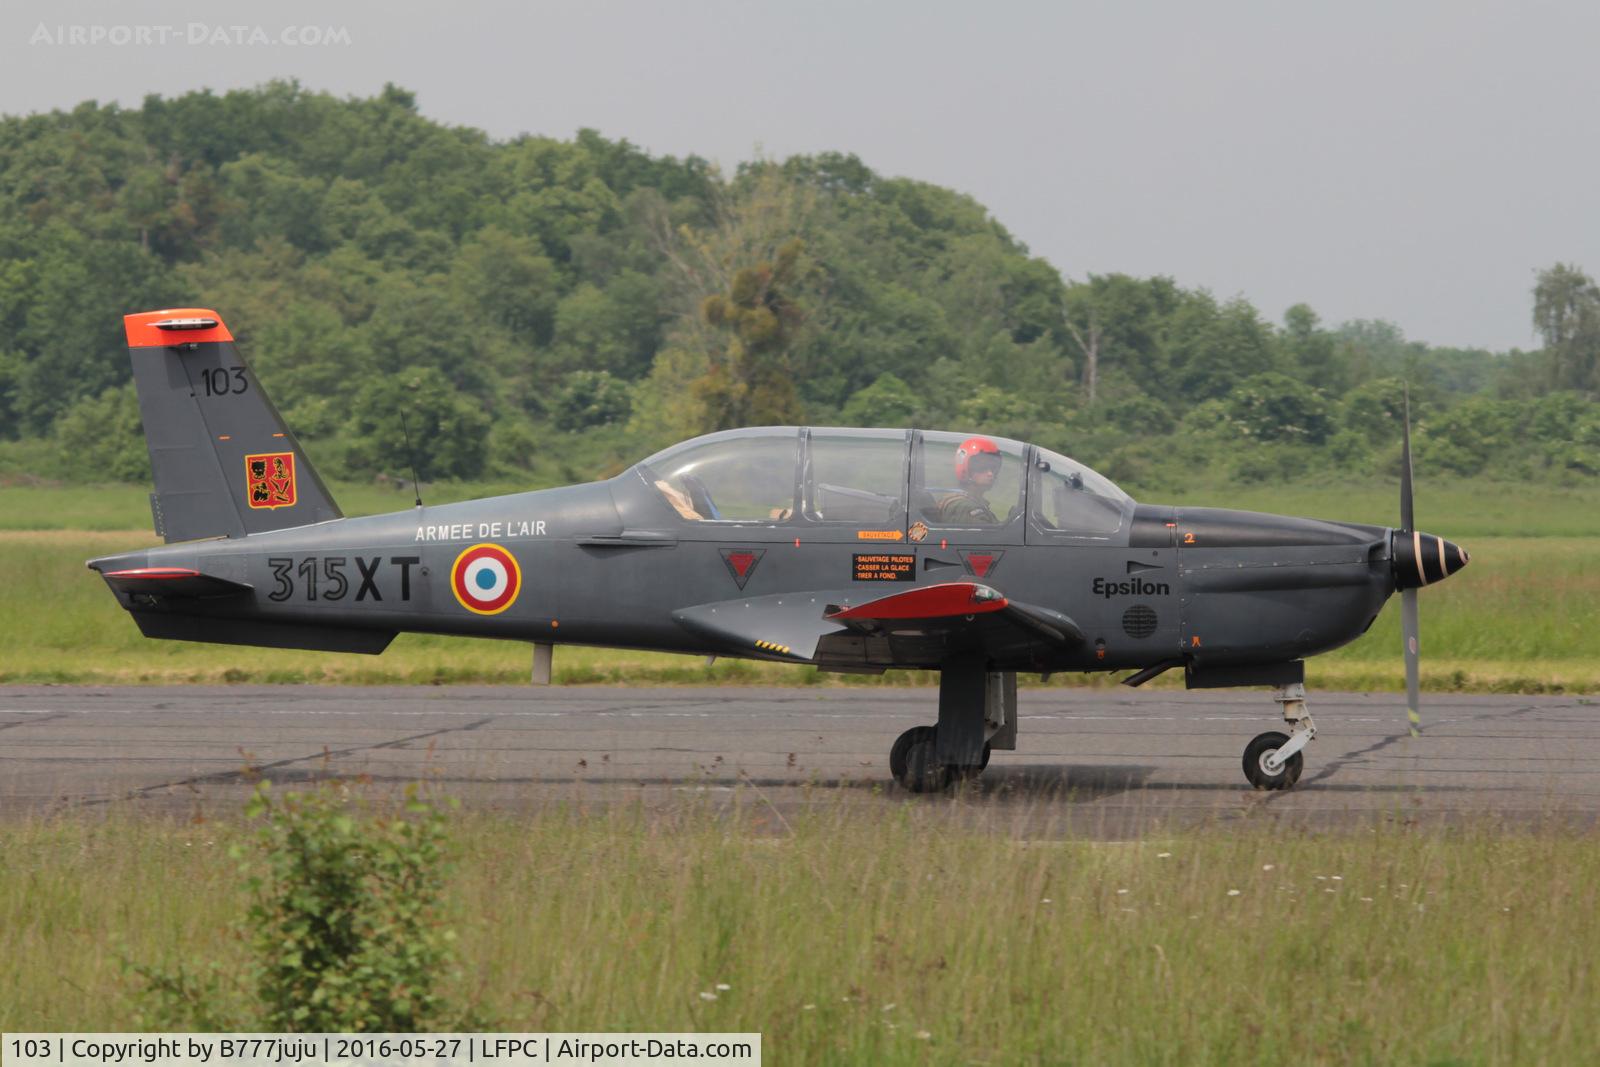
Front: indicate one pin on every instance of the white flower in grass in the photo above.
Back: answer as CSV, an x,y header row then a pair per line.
x,y
1338,878
1267,866
1233,892
708,996
923,1035
808,1007
1122,892
723,987
1366,900
1163,855
1046,900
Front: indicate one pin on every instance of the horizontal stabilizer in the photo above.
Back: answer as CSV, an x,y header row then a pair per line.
x,y
173,582
260,632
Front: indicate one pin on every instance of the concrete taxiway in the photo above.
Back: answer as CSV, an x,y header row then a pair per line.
x,y
1100,762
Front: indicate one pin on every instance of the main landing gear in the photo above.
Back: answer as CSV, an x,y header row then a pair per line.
x,y
977,714
1273,760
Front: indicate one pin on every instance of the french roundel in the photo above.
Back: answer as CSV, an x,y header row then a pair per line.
x,y
486,579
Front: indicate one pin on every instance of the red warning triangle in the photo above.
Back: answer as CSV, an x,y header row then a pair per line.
x,y
742,562
981,562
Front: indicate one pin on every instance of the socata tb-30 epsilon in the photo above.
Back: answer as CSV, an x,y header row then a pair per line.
x,y
856,550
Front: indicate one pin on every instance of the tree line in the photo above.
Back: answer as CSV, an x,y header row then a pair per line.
x,y
544,310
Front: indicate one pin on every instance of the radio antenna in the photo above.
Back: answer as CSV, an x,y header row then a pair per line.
x,y
411,456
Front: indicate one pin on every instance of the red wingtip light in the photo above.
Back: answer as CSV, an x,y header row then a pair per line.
x,y
174,326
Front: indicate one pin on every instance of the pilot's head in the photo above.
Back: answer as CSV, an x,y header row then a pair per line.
x,y
977,464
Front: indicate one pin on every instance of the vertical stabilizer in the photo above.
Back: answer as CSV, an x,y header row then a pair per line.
x,y
225,464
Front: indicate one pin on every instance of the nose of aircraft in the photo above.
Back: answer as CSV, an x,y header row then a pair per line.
x,y
1421,559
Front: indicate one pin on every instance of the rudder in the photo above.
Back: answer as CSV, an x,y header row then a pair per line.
x,y
225,464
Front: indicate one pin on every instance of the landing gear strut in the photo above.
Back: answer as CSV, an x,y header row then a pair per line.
x,y
977,714
1273,760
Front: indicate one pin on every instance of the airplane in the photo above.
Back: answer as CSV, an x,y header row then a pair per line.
x,y
853,550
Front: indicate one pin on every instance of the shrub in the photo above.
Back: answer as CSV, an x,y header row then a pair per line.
x,y
345,926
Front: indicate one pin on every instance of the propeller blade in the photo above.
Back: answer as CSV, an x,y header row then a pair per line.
x,y
1407,520
1408,627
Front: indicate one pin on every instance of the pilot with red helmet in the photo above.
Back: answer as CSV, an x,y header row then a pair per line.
x,y
977,467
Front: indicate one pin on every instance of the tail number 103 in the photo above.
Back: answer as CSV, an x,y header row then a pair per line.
x,y
223,381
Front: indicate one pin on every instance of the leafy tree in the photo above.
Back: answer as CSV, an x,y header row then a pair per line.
x,y
888,401
591,398
448,433
751,380
101,438
1566,312
1314,352
1276,407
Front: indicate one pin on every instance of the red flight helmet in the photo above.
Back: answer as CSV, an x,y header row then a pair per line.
x,y
972,448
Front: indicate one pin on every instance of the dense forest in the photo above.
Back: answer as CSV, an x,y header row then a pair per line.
x,y
543,310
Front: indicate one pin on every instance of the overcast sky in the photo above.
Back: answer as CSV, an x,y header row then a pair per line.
x,y
1415,162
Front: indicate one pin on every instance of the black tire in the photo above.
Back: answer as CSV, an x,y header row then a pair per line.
x,y
923,773
1262,746
902,744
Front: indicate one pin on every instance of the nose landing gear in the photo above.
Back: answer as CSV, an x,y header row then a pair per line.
x,y
1273,760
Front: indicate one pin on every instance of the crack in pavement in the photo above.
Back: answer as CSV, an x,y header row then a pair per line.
x,y
31,722
250,770
1335,765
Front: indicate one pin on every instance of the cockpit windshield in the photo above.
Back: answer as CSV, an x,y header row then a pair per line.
x,y
1070,499
970,485
737,476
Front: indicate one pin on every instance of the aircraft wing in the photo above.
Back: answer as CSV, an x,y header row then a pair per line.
x,y
179,582
792,626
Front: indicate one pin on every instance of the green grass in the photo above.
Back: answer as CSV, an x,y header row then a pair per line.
x,y
849,935
1522,618
127,507
1457,510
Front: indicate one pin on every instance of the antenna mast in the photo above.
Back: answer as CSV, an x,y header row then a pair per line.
x,y
411,456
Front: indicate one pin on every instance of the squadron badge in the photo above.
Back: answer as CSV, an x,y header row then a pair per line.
x,y
269,480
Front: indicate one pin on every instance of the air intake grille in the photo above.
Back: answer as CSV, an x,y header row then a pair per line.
x,y
1139,621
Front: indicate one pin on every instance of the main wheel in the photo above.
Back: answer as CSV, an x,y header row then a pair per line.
x,y
923,772
1255,762
902,745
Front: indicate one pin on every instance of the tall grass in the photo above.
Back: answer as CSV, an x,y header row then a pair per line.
x,y
847,934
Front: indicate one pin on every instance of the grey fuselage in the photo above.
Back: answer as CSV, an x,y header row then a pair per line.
x,y
610,564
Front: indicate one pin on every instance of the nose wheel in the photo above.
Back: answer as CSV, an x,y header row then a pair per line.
x,y
1263,767
914,764
1273,760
